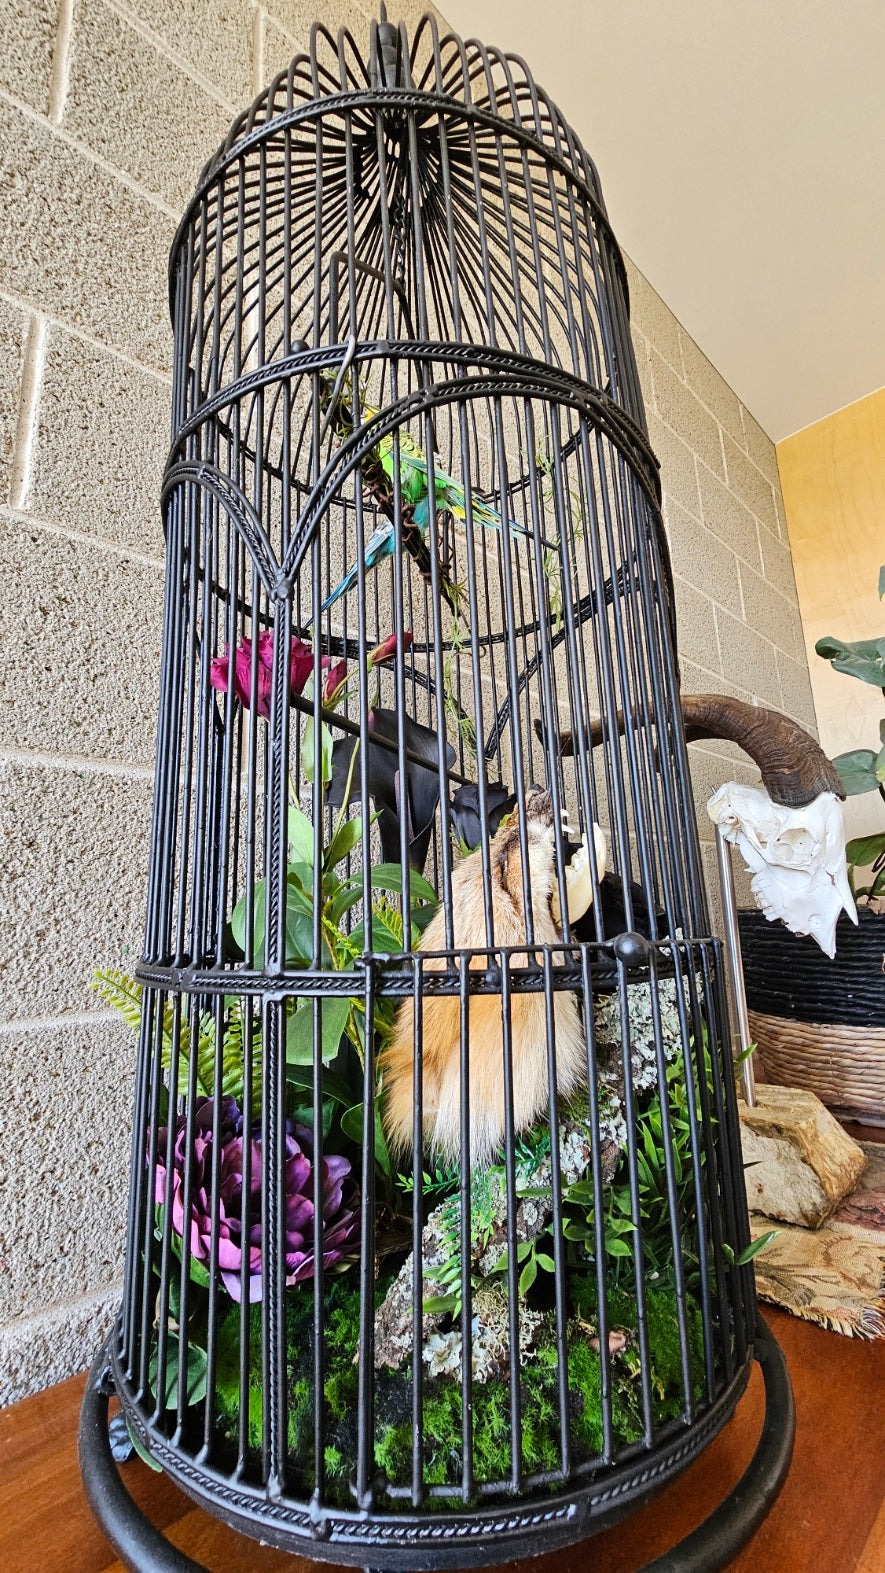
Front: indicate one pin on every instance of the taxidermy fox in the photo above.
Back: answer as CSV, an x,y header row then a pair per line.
x,y
441,1017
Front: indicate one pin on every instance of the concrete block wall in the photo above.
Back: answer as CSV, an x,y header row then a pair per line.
x,y
739,627
108,109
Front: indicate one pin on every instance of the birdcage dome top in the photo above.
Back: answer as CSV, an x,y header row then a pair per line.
x,y
479,80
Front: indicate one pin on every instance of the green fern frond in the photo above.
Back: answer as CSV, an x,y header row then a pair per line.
x,y
121,991
390,917
126,996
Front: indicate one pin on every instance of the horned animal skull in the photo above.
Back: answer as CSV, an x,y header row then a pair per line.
x,y
796,857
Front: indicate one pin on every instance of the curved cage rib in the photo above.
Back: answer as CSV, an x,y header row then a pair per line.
x,y
437,1208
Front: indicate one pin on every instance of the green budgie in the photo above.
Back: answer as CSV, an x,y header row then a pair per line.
x,y
378,471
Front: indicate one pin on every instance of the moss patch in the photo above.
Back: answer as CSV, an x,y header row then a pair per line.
x,y
492,1430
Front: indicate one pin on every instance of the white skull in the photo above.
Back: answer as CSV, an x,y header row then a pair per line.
x,y
796,857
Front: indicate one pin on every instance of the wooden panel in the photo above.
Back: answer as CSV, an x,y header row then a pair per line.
x,y
825,1522
833,480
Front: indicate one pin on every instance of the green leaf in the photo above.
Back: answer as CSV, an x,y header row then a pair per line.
x,y
348,893
545,1261
881,582
386,937
197,1366
299,830
864,658
421,917
352,1126
441,1304
238,916
141,1450
344,841
309,751
864,850
334,1014
857,772
763,1241
389,876
299,937
879,766
299,886
303,1112
528,1275
617,1247
334,1086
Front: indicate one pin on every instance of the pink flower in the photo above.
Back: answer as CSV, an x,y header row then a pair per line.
x,y
300,668
335,675
388,647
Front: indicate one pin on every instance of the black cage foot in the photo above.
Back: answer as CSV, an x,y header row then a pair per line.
x,y
708,1549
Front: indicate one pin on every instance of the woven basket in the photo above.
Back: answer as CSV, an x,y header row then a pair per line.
x,y
818,1023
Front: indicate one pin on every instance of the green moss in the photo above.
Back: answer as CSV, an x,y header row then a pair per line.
x,y
443,1408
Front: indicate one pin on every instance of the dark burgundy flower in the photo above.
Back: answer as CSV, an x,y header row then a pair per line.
x,y
334,674
387,649
341,1218
300,668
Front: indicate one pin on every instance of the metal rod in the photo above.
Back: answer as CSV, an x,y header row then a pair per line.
x,y
733,945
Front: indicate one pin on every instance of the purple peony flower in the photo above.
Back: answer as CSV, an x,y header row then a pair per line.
x,y
341,1216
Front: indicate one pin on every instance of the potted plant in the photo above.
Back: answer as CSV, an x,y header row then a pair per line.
x,y
820,1023
863,769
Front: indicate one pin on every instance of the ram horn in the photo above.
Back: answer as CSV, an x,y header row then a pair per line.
x,y
794,768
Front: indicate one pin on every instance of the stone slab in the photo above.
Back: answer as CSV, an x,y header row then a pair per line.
x,y
800,1163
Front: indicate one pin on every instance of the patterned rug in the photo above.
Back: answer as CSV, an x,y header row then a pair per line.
x,y
834,1275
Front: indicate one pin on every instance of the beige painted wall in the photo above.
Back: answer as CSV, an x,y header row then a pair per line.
x,y
833,478
108,108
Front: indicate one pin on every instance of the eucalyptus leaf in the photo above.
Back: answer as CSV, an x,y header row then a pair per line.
x,y
763,1241
141,1450
881,582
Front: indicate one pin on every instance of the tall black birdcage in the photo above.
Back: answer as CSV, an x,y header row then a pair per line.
x,y
437,1214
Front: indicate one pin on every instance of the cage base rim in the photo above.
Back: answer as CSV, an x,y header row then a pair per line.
x,y
707,1549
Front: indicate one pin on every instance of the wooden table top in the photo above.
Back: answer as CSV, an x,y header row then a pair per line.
x,y
829,1519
